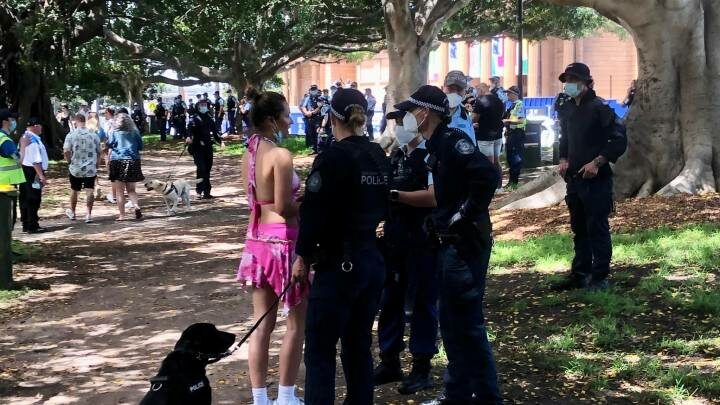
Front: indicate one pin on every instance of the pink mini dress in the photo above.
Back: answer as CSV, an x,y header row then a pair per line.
x,y
269,248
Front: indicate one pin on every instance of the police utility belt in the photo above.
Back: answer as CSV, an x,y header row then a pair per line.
x,y
338,257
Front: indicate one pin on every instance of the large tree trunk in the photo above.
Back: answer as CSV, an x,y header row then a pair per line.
x,y
134,86
31,95
673,138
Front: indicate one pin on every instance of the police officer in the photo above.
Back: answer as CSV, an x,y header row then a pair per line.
x,y
231,109
515,123
11,174
201,136
464,182
411,265
455,86
325,137
192,109
161,114
178,117
589,141
138,117
488,113
219,112
497,89
346,197
310,108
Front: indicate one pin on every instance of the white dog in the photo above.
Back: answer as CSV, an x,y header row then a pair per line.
x,y
172,191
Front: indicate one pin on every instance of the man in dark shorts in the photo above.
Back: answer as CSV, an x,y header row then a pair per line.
x,y
82,152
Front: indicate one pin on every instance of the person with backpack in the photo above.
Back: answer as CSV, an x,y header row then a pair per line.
x,y
231,108
590,139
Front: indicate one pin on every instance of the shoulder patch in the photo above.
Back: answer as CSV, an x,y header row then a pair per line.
x,y
464,146
314,182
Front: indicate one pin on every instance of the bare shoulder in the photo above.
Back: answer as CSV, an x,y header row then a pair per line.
x,y
281,155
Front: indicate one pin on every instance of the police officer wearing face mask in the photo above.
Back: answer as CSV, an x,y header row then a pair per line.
x,y
411,264
201,136
455,85
219,112
178,117
311,110
590,139
464,182
138,117
346,197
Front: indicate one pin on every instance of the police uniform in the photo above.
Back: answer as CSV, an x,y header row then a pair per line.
x,y
515,139
589,130
464,181
138,117
346,197
218,112
231,112
313,122
161,119
178,117
11,174
411,265
461,120
203,133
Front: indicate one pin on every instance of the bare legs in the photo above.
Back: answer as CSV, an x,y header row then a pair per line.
x,y
119,189
292,345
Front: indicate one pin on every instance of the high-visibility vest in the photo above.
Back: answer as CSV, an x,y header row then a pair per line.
x,y
10,170
518,114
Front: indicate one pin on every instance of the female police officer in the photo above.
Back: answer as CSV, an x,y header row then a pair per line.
x,y
346,197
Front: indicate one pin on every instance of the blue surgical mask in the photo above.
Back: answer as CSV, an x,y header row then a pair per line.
x,y
13,126
572,89
203,110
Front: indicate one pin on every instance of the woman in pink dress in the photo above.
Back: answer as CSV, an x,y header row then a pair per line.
x,y
272,190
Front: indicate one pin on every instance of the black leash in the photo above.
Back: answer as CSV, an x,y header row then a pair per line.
x,y
237,345
182,152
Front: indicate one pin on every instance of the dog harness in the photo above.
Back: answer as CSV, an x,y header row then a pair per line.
x,y
171,189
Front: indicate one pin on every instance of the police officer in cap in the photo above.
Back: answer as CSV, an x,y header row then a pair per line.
x,y
589,141
464,182
232,104
138,117
178,117
201,136
161,118
515,123
219,111
346,197
311,110
455,85
411,265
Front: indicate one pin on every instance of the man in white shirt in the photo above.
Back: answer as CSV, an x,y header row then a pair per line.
x,y
82,152
370,112
34,164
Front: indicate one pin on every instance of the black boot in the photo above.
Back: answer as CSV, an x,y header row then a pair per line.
x,y
419,377
388,370
572,282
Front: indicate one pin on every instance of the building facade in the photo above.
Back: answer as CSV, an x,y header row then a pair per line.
x,y
612,60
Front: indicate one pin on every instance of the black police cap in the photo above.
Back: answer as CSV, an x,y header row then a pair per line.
x,y
343,101
33,121
577,69
6,114
426,96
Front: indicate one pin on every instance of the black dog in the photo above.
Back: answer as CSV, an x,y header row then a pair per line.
x,y
181,379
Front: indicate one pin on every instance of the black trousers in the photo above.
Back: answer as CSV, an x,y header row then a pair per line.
x,y
162,128
311,136
369,125
30,199
203,157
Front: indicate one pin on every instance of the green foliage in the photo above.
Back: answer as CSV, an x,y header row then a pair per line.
x,y
296,145
704,302
7,295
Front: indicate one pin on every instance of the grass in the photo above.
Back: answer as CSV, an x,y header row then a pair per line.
x,y
296,145
7,295
28,252
696,246
704,302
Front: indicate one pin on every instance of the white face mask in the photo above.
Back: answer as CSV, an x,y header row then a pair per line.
x,y
403,136
454,99
410,123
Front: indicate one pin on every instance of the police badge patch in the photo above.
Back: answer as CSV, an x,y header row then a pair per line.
x,y
465,147
314,182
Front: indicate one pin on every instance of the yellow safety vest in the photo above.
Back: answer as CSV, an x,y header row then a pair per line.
x,y
10,171
518,108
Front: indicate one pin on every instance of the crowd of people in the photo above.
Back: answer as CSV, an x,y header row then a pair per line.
x,y
432,197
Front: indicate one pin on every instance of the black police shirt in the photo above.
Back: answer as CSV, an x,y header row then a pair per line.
x,y
409,173
203,130
490,110
587,131
346,196
461,175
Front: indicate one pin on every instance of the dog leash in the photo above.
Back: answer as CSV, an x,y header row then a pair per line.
x,y
237,345
182,152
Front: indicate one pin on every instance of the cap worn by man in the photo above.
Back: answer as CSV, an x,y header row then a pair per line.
x,y
456,78
577,70
426,96
514,90
6,114
32,121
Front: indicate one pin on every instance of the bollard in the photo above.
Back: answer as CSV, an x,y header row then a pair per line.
x,y
6,206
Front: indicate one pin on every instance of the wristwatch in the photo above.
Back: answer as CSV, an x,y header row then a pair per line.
x,y
394,195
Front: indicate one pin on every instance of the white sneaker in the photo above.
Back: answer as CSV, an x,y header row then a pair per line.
x,y
69,214
110,199
293,401
88,219
128,205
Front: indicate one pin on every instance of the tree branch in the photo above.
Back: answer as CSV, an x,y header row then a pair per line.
x,y
142,52
441,11
176,82
348,49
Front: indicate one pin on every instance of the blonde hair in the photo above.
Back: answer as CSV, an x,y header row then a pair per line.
x,y
357,119
123,122
92,124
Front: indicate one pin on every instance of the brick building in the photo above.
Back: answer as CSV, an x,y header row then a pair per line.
x,y
612,60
